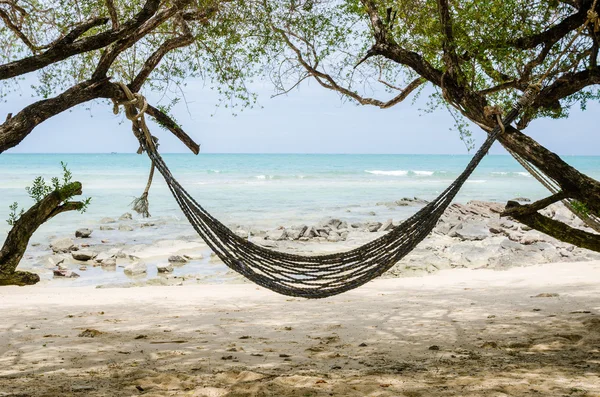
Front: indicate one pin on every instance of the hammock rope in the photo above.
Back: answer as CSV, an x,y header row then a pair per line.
x,y
318,276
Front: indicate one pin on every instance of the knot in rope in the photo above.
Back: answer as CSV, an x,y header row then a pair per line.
x,y
593,19
530,94
135,108
497,112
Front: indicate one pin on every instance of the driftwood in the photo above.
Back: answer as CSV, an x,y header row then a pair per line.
x,y
18,238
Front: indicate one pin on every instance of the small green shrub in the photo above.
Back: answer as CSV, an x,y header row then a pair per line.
x,y
40,189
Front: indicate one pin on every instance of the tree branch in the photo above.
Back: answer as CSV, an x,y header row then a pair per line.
x,y
67,47
167,122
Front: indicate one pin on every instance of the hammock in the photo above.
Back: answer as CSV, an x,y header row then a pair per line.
x,y
318,276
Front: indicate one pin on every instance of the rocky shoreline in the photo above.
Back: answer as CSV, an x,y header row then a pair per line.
x,y
468,235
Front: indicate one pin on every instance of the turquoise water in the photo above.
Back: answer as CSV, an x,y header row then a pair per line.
x,y
265,191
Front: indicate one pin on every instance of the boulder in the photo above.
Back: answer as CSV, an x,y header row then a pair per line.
x,y
333,237
107,220
331,223
177,259
125,217
63,245
242,233
293,234
374,226
276,235
388,225
109,262
83,255
164,268
135,269
125,228
60,272
471,231
83,233
310,232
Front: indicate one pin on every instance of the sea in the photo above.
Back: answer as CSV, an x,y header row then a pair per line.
x,y
267,190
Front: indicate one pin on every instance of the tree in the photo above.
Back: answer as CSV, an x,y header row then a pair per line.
x,y
472,54
50,200
476,57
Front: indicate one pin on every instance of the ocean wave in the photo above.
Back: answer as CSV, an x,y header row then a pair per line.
x,y
213,171
507,173
389,173
423,173
404,172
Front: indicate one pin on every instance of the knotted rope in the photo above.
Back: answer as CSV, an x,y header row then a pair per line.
x,y
135,109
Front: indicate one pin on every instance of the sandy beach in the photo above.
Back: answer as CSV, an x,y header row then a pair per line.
x,y
527,331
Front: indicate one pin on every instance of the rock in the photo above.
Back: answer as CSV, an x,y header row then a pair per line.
x,y
242,233
107,220
64,273
276,235
310,232
135,269
323,233
357,225
177,259
125,228
344,235
522,199
293,234
374,226
333,237
54,262
532,237
83,255
195,257
388,225
126,217
109,262
148,224
164,268
90,333
332,223
64,245
83,233
471,231
107,228
372,213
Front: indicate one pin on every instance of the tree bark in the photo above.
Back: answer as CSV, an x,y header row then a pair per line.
x,y
18,238
556,229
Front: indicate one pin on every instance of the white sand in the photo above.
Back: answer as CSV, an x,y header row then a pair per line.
x,y
456,333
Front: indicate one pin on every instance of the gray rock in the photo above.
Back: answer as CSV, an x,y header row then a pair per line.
x,y
63,245
107,228
125,228
293,234
332,223
135,269
310,232
374,226
125,217
83,255
194,257
522,199
64,273
177,259
83,233
344,235
242,233
107,220
333,237
357,225
388,225
532,237
109,262
276,235
102,256
164,268
471,232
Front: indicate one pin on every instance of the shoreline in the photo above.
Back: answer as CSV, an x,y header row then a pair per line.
x,y
521,332
468,235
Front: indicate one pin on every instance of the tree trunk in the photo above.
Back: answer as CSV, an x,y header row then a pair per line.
x,y
18,238
527,215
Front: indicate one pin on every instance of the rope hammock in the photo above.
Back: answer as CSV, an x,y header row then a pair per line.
x,y
317,276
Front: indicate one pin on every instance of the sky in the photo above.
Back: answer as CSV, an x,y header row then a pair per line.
x,y
309,119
